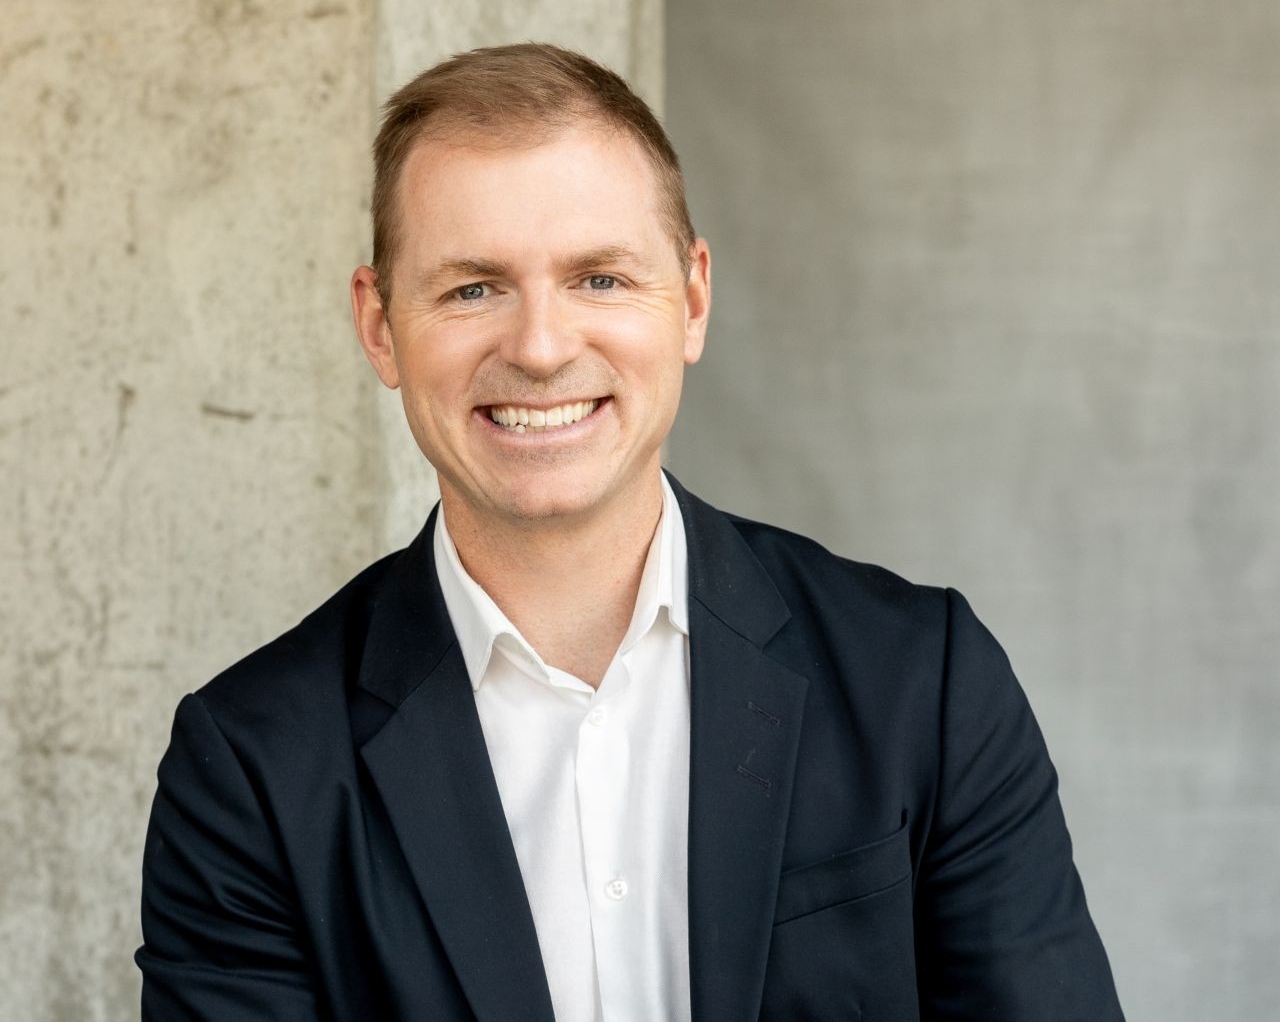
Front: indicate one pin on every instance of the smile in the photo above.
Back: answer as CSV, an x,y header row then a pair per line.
x,y
538,420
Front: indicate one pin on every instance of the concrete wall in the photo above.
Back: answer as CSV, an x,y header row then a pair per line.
x,y
193,452
183,420
997,306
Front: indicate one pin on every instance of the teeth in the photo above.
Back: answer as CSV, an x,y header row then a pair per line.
x,y
521,420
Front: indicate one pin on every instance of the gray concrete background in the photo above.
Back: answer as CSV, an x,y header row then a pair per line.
x,y
182,445
997,306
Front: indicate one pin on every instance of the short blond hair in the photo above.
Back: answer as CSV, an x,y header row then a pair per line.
x,y
526,93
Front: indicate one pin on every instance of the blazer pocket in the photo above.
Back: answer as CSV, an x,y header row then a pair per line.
x,y
843,878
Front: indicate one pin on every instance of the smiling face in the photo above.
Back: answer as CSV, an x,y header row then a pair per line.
x,y
539,325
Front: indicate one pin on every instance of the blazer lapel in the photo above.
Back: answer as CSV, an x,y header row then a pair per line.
x,y
432,770
746,712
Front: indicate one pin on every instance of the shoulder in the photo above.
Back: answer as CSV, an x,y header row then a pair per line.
x,y
300,685
797,561
883,617
325,637
837,596
842,622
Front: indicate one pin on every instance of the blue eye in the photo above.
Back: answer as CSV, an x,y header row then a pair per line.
x,y
470,292
601,282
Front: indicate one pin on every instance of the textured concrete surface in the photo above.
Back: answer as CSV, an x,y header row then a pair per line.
x,y
185,419
996,305
193,452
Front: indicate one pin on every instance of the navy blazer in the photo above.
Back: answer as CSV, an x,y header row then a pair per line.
x,y
874,826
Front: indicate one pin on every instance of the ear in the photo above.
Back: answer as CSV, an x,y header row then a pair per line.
x,y
697,300
373,326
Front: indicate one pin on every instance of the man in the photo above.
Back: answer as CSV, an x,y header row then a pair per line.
x,y
590,750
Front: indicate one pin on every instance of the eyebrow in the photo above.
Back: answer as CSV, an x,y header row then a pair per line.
x,y
453,268
579,262
605,255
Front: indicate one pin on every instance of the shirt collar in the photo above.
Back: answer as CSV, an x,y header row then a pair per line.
x,y
480,624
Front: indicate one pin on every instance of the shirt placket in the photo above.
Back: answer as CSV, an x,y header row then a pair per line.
x,y
602,772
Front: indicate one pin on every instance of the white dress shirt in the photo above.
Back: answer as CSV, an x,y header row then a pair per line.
x,y
595,787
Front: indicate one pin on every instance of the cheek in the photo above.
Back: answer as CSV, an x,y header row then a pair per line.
x,y
428,406
651,342
437,370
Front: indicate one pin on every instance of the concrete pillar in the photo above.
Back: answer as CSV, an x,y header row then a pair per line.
x,y
184,419
193,452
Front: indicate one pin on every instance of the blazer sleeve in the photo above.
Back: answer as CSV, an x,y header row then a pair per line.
x,y
218,914
1003,933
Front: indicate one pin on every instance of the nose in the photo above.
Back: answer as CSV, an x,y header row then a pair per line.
x,y
541,337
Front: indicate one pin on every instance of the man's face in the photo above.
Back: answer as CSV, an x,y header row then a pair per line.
x,y
540,322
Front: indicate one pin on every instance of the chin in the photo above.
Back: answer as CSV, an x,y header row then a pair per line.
x,y
544,504
552,495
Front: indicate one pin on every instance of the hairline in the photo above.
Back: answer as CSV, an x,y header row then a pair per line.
x,y
516,132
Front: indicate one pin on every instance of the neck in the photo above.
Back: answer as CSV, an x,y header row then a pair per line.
x,y
568,585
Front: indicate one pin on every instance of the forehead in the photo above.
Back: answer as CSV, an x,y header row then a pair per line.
x,y
587,179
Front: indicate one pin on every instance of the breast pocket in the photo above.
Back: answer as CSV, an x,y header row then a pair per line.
x,y
859,873
843,945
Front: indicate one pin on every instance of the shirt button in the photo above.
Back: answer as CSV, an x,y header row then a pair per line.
x,y
596,716
616,888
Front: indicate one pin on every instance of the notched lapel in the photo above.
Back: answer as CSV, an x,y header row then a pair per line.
x,y
431,768
746,715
